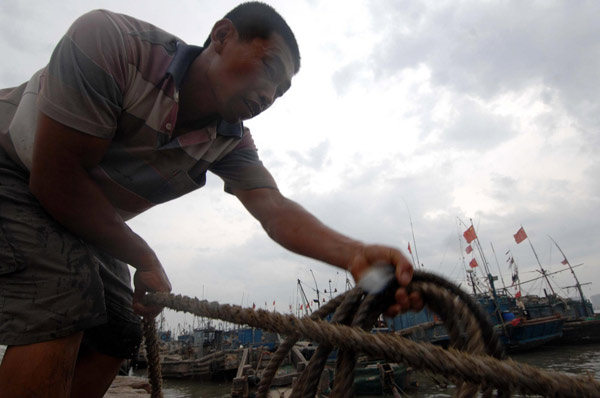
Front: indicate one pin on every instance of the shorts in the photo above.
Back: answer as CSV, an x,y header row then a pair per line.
x,y
52,283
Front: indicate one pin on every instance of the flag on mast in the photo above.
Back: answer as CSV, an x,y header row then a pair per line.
x,y
469,249
470,234
473,263
520,236
410,251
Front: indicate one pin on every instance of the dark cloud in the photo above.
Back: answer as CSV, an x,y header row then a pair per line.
x,y
487,48
475,128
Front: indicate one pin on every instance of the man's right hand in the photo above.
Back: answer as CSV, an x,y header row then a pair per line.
x,y
149,280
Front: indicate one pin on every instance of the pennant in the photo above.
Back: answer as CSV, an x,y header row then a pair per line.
x,y
520,235
473,263
273,302
301,307
518,295
470,234
410,251
564,262
469,249
515,278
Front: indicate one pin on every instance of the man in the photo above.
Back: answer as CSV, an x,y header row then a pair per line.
x,y
126,116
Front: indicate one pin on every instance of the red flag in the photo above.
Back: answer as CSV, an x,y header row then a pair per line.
x,y
520,235
300,307
469,249
516,321
518,294
473,263
410,251
564,262
470,234
273,302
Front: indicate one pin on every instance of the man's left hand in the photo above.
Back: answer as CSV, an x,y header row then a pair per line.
x,y
369,256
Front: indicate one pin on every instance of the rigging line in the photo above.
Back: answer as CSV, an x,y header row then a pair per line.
x,y
413,233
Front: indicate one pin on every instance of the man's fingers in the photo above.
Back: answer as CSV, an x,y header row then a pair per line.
x,y
416,301
404,273
393,310
145,310
402,299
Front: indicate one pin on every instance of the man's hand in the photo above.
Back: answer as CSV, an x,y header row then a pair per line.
x,y
369,256
149,280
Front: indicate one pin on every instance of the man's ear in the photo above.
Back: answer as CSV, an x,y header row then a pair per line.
x,y
221,33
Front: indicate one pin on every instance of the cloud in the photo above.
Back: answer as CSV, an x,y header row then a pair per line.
x,y
314,158
476,128
487,48
435,112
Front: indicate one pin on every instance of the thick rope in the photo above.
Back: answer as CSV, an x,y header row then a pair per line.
x,y
153,358
471,369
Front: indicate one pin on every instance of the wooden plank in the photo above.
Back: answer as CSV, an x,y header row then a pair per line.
x,y
240,371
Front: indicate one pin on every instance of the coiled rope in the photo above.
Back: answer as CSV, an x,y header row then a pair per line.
x,y
473,362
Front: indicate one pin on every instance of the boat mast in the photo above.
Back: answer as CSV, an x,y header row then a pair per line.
x,y
577,284
413,235
469,272
498,265
540,264
317,289
306,303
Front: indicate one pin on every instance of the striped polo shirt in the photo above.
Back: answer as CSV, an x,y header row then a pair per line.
x,y
115,77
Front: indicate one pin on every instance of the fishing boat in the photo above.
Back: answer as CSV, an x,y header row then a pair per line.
x,y
581,325
422,326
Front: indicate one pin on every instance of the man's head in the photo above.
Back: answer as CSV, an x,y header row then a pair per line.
x,y
253,57
259,20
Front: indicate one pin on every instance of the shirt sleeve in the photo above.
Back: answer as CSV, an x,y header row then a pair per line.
x,y
242,169
83,83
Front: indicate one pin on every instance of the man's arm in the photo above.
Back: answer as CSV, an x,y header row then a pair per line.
x,y
60,180
296,229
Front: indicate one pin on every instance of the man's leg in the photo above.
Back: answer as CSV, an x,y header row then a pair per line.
x,y
94,372
40,369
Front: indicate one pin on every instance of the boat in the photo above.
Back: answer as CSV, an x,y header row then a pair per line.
x,y
421,326
581,325
517,331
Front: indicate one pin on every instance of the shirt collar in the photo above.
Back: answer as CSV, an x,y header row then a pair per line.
x,y
234,130
184,55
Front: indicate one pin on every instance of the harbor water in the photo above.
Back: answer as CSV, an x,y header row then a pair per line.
x,y
583,360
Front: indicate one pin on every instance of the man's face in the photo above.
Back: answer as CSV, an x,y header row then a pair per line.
x,y
248,76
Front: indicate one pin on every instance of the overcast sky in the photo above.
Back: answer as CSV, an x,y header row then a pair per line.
x,y
439,112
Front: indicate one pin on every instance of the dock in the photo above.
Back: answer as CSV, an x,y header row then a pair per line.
x,y
129,387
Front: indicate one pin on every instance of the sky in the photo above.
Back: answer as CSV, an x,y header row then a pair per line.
x,y
407,118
